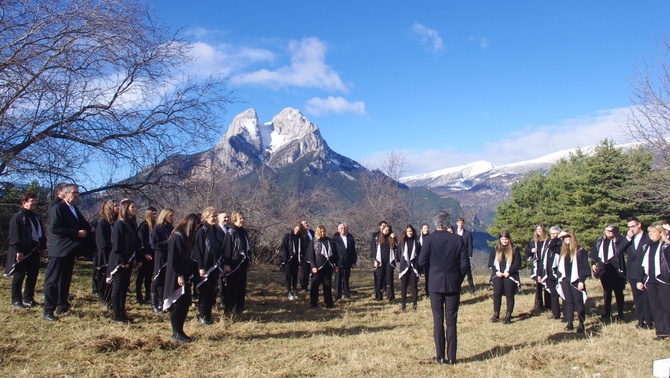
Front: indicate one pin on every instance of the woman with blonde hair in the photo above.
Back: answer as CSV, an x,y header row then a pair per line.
x,y
656,279
504,263
573,270
103,241
322,258
237,260
145,256
208,254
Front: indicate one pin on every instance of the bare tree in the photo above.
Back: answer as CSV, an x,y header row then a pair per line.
x,y
89,83
649,123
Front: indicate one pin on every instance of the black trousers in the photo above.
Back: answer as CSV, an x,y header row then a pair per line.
x,y
291,273
179,311
553,298
659,301
57,280
207,294
641,300
542,297
323,277
95,283
236,289
120,282
104,289
410,280
384,280
471,281
305,271
144,275
342,282
28,269
612,282
574,300
445,308
508,288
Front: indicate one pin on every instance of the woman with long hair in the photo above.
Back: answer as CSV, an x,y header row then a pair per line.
x,y
208,255
293,246
535,250
504,263
384,262
236,263
322,257
177,291
145,256
610,268
656,279
408,256
124,247
573,270
160,237
103,240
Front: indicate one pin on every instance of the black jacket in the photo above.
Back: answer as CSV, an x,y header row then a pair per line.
x,y
447,257
634,264
347,256
208,247
63,239
20,237
316,258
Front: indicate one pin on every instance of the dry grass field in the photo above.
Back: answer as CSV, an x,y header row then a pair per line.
x,y
281,338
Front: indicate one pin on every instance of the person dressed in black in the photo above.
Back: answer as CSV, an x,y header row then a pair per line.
x,y
347,258
656,279
504,263
124,247
27,243
408,257
610,267
292,247
536,249
545,269
305,269
160,238
145,256
573,270
103,240
68,232
384,262
425,270
632,245
449,263
236,264
322,257
177,293
208,254
467,238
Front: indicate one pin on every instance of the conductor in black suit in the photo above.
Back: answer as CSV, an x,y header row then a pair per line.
x,y
68,232
467,238
347,257
449,263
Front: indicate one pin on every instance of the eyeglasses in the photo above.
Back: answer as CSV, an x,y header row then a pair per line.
x,y
608,230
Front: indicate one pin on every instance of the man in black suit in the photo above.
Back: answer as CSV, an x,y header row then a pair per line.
x,y
632,246
347,258
68,231
467,238
449,263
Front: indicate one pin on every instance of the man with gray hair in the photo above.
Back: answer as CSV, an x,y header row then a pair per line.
x,y
346,251
447,257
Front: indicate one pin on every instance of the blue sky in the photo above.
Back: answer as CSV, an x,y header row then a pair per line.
x,y
443,82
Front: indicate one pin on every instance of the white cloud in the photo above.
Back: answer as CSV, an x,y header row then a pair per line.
x,y
226,58
307,69
528,143
319,106
483,41
428,37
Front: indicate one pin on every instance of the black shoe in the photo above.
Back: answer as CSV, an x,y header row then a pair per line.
x,y
347,296
660,337
450,362
63,311
439,360
206,320
569,327
181,338
580,329
49,316
330,305
31,303
337,297
19,305
120,319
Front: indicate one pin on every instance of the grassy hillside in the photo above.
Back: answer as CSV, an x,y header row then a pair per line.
x,y
281,338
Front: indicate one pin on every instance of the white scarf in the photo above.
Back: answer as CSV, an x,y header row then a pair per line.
x,y
657,263
378,257
573,277
606,256
406,255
